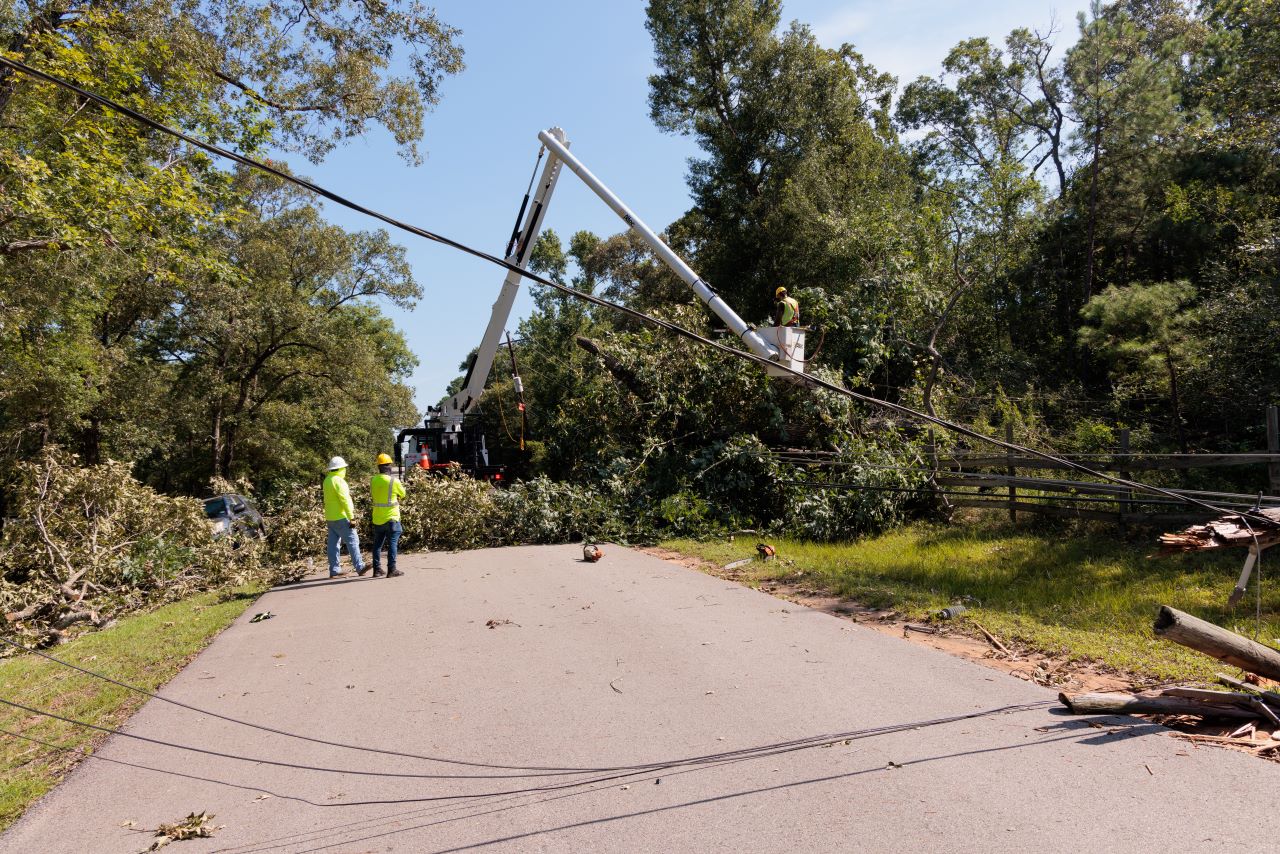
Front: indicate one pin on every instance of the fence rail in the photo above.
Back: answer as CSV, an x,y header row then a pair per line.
x,y
1018,492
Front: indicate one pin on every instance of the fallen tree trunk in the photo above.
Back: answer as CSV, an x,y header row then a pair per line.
x,y
1217,642
1134,704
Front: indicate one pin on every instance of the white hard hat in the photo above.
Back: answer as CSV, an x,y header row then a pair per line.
x,y
337,463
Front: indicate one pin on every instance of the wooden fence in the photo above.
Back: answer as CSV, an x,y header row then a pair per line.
x,y
973,479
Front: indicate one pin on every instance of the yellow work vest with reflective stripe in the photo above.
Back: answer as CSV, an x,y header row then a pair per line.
x,y
385,492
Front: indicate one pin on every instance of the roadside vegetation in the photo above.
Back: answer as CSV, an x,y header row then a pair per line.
x,y
146,650
1086,594
1062,241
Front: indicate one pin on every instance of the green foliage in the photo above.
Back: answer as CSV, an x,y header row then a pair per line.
x,y
1147,334
446,513
90,543
160,310
542,510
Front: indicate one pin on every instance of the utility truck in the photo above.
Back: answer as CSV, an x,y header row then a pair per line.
x,y
451,434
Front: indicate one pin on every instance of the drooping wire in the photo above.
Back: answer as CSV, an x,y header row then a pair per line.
x,y
281,764
799,376
274,731
709,760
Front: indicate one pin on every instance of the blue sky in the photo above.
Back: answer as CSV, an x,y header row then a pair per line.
x,y
584,66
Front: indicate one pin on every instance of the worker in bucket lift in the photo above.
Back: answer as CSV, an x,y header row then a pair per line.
x,y
385,491
340,513
786,311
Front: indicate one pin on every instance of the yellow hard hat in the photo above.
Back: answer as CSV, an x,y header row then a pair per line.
x,y
384,460
779,292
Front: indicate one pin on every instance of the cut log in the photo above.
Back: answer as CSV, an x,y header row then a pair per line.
x,y
1217,642
1134,704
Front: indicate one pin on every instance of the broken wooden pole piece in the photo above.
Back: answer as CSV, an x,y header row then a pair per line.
x,y
1217,642
1207,695
1270,696
1134,704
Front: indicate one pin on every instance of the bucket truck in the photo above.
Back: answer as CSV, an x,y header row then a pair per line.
x,y
447,436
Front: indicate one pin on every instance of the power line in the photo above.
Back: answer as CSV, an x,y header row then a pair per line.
x,y
800,376
279,763
693,763
263,728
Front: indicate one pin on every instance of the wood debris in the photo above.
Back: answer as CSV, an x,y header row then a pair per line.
x,y
1247,702
1225,532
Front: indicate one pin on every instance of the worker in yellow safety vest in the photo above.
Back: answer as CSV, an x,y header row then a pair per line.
x,y
786,311
385,491
340,513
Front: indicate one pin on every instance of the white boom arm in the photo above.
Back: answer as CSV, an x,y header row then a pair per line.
x,y
473,386
557,146
754,341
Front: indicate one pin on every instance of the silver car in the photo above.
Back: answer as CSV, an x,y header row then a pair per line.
x,y
234,514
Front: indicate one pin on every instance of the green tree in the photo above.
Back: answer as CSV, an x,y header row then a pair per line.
x,y
287,361
1123,81
1145,333
115,241
801,183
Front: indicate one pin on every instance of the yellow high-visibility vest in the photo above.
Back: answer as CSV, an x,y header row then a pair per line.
x,y
790,312
386,493
337,497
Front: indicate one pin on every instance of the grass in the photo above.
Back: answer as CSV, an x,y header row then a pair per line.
x,y
1086,593
145,650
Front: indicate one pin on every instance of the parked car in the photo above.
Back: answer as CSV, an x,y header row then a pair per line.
x,y
234,514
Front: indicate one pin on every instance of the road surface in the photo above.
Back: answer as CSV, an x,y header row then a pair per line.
x,y
529,657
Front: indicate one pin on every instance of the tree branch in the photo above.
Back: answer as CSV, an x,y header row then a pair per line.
x,y
262,99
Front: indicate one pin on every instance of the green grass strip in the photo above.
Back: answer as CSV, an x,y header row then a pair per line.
x,y
146,650
1086,593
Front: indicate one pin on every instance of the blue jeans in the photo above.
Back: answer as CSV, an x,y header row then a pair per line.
x,y
342,532
389,534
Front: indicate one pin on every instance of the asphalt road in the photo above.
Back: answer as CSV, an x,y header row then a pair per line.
x,y
629,661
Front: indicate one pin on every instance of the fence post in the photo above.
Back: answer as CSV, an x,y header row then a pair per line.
x,y
1126,505
1273,447
1013,490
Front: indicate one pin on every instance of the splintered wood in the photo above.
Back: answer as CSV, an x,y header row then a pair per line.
x,y
1227,531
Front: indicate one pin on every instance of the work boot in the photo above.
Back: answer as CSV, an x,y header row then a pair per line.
x,y
377,573
394,573
362,570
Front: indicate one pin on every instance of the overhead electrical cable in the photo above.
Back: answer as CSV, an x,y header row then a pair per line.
x,y
710,760
280,763
807,379
274,731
